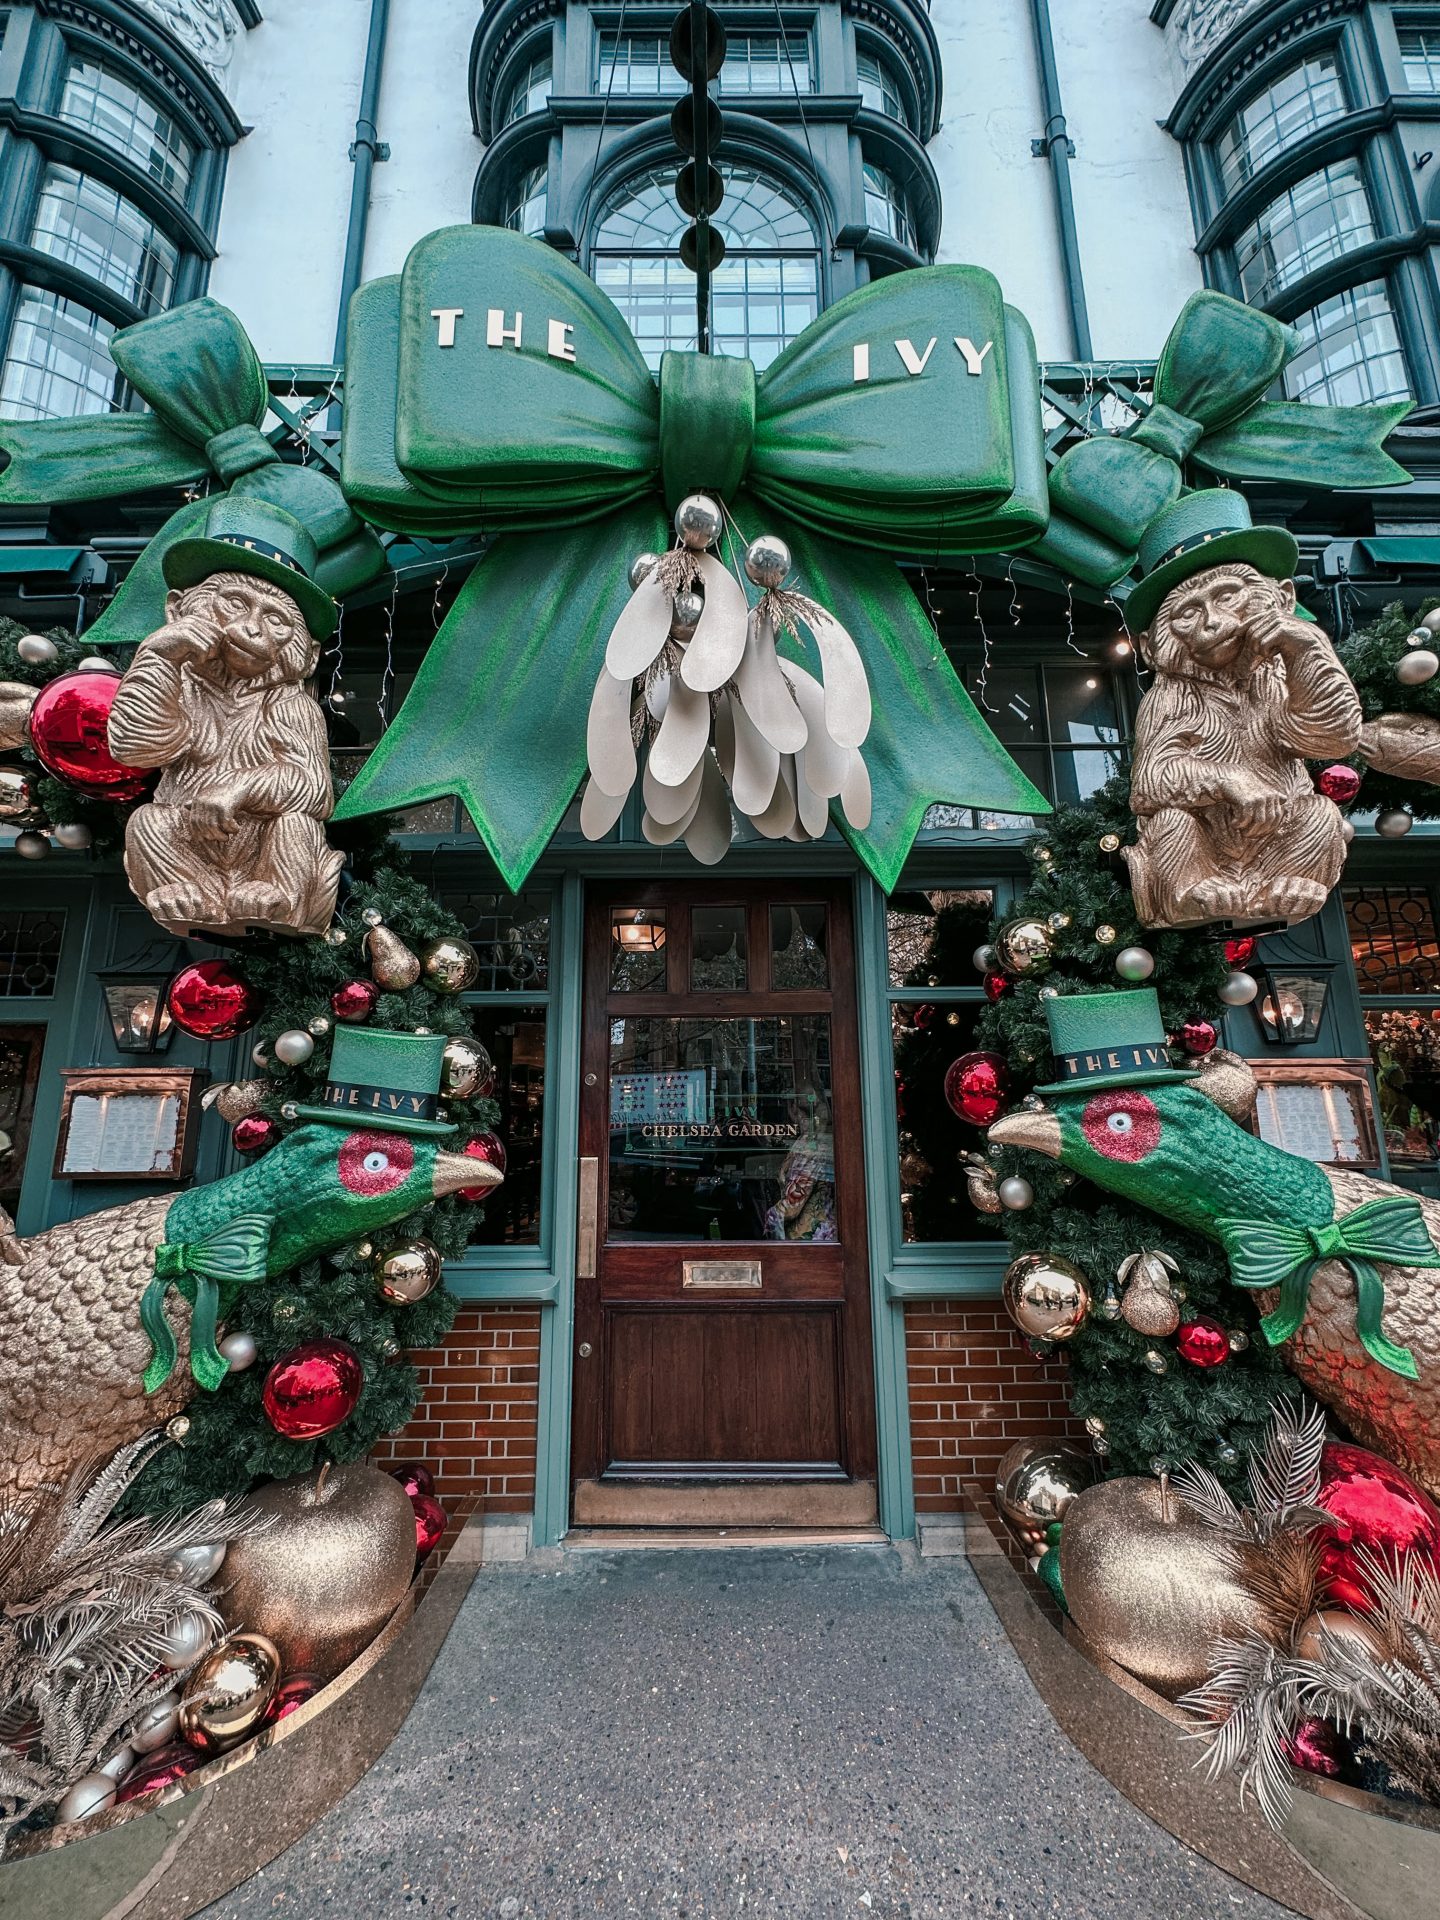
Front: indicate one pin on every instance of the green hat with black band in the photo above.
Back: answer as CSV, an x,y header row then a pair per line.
x,y
388,1081
1201,530
1109,1040
244,535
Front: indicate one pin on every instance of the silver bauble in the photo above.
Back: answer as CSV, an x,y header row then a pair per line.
x,y
1134,963
1024,946
1393,824
74,836
1156,1361
465,1067
238,1350
92,1793
685,617
36,651
154,1725
698,521
1347,831
294,1048
641,567
1418,637
1429,623
196,1565
986,959
1239,989
319,1026
1015,1193
1414,669
92,663
116,1765
767,560
1040,1489
34,846
184,1640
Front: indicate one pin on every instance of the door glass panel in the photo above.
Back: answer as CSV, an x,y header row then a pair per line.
x,y
511,935
928,1037
637,949
1405,1046
798,948
720,1129
933,935
718,959
514,1037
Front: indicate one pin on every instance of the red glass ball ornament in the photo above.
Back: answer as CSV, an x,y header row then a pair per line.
x,y
995,984
211,1001
254,1133
924,1016
1198,1036
312,1389
414,1476
291,1694
1376,1506
490,1148
159,1769
1316,1747
1241,950
429,1523
1338,783
1204,1343
356,1000
68,727
977,1087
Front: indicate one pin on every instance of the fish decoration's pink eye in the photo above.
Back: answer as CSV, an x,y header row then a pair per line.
x,y
376,1163
1122,1124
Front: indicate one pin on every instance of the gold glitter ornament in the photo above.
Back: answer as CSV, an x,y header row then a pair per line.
x,y
450,965
408,1272
392,964
1048,1298
226,1695
1104,935
1109,843
1149,1304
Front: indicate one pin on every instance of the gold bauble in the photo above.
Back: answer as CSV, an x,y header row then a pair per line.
x,y
392,964
465,1067
1149,1584
1348,1628
227,1694
1024,946
329,1573
408,1272
450,965
1048,1298
1044,1485
1012,1458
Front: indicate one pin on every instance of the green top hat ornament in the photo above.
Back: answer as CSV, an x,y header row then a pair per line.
x,y
244,535
388,1081
1201,530
1109,1040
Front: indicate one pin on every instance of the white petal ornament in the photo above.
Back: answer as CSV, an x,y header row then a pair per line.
x,y
764,691
684,735
666,804
754,763
608,741
707,838
714,653
640,633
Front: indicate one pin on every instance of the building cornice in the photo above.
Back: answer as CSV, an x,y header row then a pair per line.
x,y
498,31
1258,38
130,29
909,29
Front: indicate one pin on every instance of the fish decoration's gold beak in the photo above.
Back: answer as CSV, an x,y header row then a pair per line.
x,y
456,1170
1033,1127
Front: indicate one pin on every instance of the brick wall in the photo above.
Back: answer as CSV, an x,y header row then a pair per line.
x,y
975,1389
476,1422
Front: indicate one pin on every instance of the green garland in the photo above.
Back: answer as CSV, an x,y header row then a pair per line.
x,y
58,803
1370,657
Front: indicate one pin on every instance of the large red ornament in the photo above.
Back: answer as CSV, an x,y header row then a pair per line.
x,y
1198,1036
159,1769
254,1133
68,727
1376,1507
1204,1343
1240,950
211,1001
414,1476
356,1000
977,1087
429,1523
312,1389
289,1697
490,1148
995,984
1338,783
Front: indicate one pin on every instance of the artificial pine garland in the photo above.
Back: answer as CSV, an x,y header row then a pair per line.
x,y
1370,657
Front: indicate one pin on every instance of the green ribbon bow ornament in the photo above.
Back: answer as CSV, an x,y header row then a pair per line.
x,y
1269,1253
205,384
1209,408
209,1273
495,387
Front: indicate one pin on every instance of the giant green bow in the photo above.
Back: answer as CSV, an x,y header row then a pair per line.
x,y
905,419
197,369
1268,1253
1216,366
208,1273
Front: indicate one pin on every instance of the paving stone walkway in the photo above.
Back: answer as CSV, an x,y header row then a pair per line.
x,y
759,1732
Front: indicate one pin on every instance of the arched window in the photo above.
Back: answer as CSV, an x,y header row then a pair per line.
x,y
886,208
765,291
525,203
527,90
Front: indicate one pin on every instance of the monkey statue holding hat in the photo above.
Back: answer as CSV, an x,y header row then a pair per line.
x,y
220,698
1246,690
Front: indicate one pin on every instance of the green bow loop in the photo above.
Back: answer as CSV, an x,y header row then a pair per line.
x,y
1209,408
199,373
208,1273
1269,1253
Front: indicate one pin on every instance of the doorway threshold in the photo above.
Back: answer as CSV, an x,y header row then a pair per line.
x,y
674,1539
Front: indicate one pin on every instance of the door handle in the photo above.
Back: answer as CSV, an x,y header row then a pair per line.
x,y
587,1226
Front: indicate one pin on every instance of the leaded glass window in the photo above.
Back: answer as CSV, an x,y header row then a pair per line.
x,y
525,209
1352,353
1320,218
58,362
90,226
528,89
1281,113
106,104
1394,941
886,208
880,87
1420,57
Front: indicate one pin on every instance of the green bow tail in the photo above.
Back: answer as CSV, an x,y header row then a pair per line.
x,y
1391,1231
1209,408
905,419
204,382
209,1273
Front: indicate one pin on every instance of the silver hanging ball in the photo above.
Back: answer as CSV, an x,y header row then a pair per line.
x,y
320,1025
155,1724
985,959
1419,637
183,1640
117,1763
294,1047
1430,622
197,1565
688,607
373,917
1157,1363
641,567
336,937
92,663
698,521
1393,824
1134,963
767,560
1415,668
1015,1193
32,846
1347,831
36,651
1239,989
237,1350
75,837
92,1793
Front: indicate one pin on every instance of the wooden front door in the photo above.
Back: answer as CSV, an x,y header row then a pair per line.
x,y
723,1370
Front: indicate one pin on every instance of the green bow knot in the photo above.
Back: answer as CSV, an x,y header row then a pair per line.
x,y
209,1273
1219,361
208,397
1390,1231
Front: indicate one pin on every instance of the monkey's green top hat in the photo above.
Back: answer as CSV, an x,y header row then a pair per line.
x,y
250,536
386,1081
1201,530
1109,1040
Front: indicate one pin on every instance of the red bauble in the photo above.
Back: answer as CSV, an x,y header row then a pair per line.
x,y
312,1389
1241,950
291,1694
977,1087
995,984
1378,1507
1198,1036
68,727
924,1016
1317,1747
211,1001
254,1133
429,1523
1338,783
1204,1343
490,1148
414,1476
355,1000
159,1769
